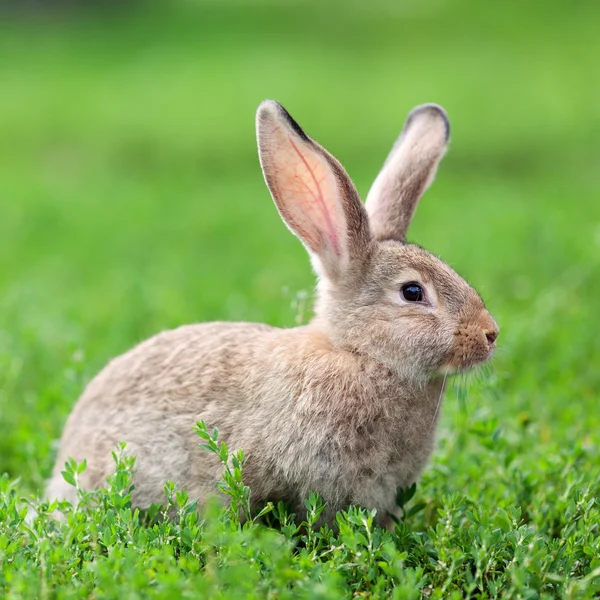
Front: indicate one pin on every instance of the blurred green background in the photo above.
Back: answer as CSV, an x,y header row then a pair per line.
x,y
132,199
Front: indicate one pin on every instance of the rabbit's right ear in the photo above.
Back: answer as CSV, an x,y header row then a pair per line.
x,y
407,172
314,195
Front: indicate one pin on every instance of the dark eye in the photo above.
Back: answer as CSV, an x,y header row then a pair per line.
x,y
413,292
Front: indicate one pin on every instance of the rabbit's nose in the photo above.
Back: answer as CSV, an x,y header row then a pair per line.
x,y
489,327
491,335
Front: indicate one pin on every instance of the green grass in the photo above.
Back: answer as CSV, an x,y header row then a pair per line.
x,y
132,201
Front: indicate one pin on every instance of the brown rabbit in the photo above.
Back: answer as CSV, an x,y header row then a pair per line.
x,y
345,406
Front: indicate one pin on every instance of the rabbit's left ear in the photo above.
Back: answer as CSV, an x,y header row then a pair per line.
x,y
407,172
313,193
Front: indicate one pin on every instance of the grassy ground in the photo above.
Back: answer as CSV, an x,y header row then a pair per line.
x,y
132,201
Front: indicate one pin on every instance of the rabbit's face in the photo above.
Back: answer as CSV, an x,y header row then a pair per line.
x,y
412,312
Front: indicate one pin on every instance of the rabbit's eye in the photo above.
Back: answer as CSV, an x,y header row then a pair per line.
x,y
413,292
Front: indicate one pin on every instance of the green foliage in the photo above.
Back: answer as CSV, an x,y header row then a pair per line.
x,y
106,548
232,484
132,202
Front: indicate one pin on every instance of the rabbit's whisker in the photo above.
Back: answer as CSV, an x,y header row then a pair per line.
x,y
437,408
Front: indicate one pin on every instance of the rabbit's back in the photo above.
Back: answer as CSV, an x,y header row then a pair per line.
x,y
150,398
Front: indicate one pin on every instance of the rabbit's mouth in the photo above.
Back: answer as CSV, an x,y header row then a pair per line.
x,y
465,362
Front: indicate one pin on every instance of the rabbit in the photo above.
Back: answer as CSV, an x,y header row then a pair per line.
x,y
345,406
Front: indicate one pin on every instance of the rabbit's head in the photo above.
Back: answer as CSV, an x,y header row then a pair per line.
x,y
377,295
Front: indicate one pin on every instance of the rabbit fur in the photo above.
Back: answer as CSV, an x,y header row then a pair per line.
x,y
344,406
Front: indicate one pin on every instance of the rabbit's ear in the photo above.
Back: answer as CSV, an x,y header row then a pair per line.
x,y
407,172
314,195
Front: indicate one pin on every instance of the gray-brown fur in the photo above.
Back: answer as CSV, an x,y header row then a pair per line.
x,y
345,406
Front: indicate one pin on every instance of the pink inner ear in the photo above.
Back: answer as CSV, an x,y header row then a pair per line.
x,y
320,191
